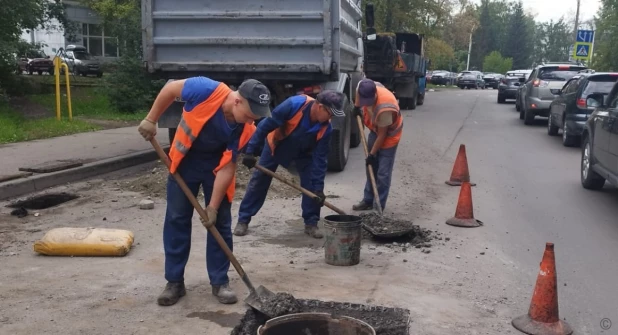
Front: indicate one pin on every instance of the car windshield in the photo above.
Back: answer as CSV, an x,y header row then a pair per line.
x,y
37,54
81,55
557,74
603,84
469,75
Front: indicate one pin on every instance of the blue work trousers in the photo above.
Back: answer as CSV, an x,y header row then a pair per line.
x,y
178,224
384,173
258,188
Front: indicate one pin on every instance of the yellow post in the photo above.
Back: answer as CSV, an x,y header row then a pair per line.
x,y
66,77
57,64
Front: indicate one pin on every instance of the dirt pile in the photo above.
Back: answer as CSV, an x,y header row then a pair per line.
x,y
153,183
280,304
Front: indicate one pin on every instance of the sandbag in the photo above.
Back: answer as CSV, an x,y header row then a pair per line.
x,y
85,242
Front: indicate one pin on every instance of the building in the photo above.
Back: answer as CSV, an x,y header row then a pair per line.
x,y
89,34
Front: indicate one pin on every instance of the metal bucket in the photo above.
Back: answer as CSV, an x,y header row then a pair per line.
x,y
342,243
315,324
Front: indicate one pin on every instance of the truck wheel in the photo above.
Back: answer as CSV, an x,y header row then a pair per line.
x,y
340,141
171,133
355,134
421,99
412,102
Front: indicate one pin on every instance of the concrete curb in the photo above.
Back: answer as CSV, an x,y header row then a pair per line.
x,y
39,182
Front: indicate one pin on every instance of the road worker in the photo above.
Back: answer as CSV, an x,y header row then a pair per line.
x,y
216,125
379,110
299,131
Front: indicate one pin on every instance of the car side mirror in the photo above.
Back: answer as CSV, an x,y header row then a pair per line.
x,y
47,56
595,100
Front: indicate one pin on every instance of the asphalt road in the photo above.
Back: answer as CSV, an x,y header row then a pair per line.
x,y
529,193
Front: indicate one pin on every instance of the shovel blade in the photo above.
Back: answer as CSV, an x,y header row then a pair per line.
x,y
257,297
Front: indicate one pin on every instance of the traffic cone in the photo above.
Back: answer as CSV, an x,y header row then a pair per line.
x,y
460,171
464,214
543,318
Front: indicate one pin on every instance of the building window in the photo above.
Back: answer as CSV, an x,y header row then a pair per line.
x,y
94,39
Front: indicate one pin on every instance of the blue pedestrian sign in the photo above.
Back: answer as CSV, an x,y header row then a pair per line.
x,y
585,36
583,50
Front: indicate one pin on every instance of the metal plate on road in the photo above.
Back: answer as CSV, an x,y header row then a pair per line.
x,y
52,166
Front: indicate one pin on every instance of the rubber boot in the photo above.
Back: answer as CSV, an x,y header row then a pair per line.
x,y
241,229
362,206
313,231
224,294
171,294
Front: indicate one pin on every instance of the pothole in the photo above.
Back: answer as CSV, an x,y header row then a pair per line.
x,y
44,201
385,320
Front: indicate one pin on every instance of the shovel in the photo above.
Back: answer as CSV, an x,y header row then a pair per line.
x,y
376,197
297,187
256,297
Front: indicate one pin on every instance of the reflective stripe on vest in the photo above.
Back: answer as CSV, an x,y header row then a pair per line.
x,y
279,134
191,124
385,103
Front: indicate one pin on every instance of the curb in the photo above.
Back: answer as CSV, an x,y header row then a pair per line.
x,y
19,187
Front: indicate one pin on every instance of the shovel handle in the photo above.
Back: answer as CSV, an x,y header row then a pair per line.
x,y
372,177
297,187
196,204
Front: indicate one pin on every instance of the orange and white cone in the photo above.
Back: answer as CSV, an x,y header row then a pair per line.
x,y
464,214
460,171
543,317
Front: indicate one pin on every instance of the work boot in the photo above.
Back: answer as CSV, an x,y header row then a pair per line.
x,y
241,229
362,206
171,294
224,294
313,231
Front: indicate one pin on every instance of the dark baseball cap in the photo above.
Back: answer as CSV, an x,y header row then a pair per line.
x,y
366,92
333,100
258,96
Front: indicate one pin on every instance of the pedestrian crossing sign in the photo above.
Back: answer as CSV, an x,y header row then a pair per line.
x,y
582,51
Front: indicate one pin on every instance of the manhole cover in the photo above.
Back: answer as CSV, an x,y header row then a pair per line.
x,y
44,201
52,166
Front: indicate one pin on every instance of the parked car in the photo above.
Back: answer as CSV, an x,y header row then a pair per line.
x,y
80,62
570,110
599,159
470,79
35,61
525,74
442,78
508,87
543,85
492,80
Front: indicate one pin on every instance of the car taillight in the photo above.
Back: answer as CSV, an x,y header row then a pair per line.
x,y
539,83
503,81
581,103
310,90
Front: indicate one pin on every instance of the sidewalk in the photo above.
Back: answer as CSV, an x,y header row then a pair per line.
x,y
100,152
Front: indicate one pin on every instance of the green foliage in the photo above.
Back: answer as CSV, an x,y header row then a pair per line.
x,y
519,46
606,39
441,54
494,62
552,41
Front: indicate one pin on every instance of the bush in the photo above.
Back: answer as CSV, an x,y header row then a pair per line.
x,y
129,87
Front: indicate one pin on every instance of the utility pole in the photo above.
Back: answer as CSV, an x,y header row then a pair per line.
x,y
576,21
470,49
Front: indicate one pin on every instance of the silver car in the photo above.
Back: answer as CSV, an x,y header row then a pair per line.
x,y
542,86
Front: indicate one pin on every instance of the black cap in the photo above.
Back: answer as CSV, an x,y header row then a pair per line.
x,y
258,96
333,100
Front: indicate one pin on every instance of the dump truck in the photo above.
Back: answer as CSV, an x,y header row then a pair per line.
x,y
292,46
397,60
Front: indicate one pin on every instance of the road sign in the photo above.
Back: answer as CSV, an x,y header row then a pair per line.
x,y
585,36
581,51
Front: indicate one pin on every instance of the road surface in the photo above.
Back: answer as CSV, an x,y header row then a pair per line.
x,y
472,281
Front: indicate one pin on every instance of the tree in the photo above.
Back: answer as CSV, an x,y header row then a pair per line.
x,y
494,62
519,47
606,39
552,41
441,54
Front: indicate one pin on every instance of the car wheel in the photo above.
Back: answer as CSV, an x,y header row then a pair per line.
x,y
567,139
461,87
517,106
590,179
528,116
551,129
501,99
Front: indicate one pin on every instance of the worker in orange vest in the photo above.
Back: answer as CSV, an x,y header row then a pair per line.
x,y
379,110
216,125
299,131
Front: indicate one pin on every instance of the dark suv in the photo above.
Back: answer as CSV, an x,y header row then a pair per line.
x,y
470,79
570,110
599,160
507,89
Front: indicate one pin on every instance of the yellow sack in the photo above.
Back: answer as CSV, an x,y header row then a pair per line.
x,y
85,242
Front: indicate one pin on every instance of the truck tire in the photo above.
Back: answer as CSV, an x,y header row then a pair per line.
x,y
421,99
355,135
171,133
340,141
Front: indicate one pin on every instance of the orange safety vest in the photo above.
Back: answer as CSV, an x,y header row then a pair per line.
x,y
279,134
192,123
385,103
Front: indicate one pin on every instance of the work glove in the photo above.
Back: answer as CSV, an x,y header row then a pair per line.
x,y
212,217
148,129
358,112
320,197
372,161
249,161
